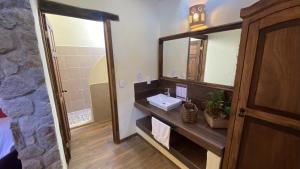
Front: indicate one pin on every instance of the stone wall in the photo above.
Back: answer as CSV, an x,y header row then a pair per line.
x,y
23,94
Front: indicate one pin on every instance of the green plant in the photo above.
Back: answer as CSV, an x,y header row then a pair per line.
x,y
218,106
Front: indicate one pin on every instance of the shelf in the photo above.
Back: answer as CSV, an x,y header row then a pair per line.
x,y
189,153
188,150
199,133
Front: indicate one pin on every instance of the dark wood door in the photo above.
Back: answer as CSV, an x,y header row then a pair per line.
x,y
58,89
267,123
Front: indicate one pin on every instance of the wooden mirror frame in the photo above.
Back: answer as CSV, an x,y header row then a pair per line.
x,y
199,34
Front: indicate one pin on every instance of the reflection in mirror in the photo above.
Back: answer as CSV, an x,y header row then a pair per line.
x,y
175,54
196,59
221,57
211,60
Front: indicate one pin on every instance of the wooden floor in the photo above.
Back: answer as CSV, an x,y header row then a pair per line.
x,y
92,147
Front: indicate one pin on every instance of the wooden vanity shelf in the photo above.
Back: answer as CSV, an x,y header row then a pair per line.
x,y
194,145
189,153
200,133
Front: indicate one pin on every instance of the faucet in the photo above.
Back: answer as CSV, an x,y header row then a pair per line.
x,y
168,92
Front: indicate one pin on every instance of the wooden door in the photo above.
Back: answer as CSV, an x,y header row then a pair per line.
x,y
58,89
266,132
196,60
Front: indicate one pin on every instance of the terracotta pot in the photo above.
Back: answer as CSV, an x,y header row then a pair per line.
x,y
216,122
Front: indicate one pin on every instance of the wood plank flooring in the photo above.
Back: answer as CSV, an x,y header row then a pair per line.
x,y
92,147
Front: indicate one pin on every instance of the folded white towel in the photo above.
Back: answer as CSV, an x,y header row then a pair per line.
x,y
156,128
161,132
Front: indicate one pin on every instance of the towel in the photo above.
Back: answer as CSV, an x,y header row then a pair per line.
x,y
161,132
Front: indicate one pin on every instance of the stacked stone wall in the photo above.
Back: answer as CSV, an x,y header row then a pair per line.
x,y
23,93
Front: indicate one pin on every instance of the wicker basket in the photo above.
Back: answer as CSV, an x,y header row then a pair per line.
x,y
189,113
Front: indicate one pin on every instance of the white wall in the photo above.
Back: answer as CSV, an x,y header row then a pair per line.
x,y
173,14
135,46
98,73
76,32
33,4
225,11
175,58
221,57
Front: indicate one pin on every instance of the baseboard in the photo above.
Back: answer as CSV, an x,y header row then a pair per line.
x,y
127,138
82,125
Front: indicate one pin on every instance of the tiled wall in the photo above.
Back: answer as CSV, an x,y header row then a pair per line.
x,y
75,64
101,102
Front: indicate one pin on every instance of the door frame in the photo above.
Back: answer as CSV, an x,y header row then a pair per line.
x,y
48,7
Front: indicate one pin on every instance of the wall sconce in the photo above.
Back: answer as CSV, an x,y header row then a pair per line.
x,y
197,17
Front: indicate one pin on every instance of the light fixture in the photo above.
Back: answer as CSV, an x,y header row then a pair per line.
x,y
197,17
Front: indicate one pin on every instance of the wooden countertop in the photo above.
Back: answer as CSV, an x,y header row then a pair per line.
x,y
200,133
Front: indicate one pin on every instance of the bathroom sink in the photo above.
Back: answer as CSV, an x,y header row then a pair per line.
x,y
164,102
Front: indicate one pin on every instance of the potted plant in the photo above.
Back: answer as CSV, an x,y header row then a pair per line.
x,y
217,110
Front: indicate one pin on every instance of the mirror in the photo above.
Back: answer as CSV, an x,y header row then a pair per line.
x,y
175,55
211,58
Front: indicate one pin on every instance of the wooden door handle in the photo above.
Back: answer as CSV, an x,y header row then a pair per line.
x,y
242,112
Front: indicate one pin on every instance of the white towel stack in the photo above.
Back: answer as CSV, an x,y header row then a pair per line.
x,y
161,132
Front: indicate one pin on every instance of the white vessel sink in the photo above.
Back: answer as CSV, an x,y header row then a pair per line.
x,y
164,102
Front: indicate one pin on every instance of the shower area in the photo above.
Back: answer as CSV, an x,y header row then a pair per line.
x,y
79,48
76,69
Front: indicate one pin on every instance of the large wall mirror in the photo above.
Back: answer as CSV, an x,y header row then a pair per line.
x,y
208,56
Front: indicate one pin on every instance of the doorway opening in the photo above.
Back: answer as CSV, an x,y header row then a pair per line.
x,y
78,45
84,74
